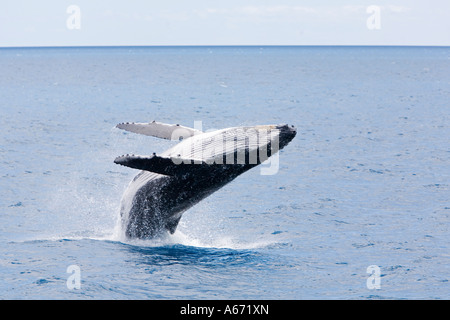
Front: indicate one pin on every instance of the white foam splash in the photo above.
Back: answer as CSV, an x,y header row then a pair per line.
x,y
187,240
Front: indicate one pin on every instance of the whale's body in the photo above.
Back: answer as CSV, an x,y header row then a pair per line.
x,y
172,182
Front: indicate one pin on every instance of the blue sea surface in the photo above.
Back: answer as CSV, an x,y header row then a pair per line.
x,y
365,182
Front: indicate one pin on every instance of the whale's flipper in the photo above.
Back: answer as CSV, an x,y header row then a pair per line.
x,y
162,165
160,130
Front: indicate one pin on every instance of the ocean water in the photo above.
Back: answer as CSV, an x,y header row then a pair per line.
x,y
364,183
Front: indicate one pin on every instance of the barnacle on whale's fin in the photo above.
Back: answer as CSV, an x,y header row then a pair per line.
x,y
160,130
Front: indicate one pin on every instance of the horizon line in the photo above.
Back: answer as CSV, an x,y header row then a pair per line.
x,y
218,46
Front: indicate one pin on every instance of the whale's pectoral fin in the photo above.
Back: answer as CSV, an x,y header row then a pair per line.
x,y
162,165
160,130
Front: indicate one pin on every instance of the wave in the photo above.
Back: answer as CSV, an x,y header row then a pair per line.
x,y
177,239
180,238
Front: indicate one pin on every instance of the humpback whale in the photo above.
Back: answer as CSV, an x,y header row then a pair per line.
x,y
200,164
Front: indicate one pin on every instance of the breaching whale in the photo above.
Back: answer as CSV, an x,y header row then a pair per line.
x,y
172,182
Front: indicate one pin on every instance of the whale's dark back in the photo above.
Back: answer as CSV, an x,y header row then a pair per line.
x,y
157,205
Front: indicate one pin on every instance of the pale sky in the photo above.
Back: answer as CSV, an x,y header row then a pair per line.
x,y
230,22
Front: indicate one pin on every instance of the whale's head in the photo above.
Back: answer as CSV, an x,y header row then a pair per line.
x,y
279,135
287,133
